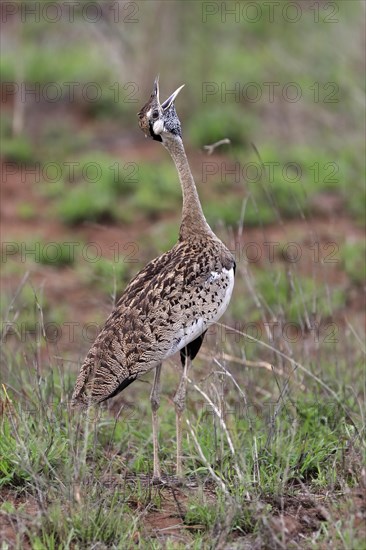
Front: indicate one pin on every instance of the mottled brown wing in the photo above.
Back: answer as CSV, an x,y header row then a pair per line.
x,y
124,344
147,325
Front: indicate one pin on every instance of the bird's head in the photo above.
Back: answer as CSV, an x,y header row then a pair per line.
x,y
159,120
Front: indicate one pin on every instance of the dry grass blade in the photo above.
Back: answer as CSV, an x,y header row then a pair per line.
x,y
205,461
211,148
295,364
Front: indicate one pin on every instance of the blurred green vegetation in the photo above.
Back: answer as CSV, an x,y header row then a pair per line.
x,y
285,295
103,188
209,126
107,275
18,150
157,191
243,89
26,211
58,254
90,196
353,257
30,313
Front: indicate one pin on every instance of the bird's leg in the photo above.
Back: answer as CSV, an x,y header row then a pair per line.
x,y
180,405
155,403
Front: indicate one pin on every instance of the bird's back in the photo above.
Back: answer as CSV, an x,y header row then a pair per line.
x,y
168,304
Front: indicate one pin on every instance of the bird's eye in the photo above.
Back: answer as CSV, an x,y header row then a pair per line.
x,y
155,114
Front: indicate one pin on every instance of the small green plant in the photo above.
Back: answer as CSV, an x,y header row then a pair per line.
x,y
353,256
295,297
162,237
157,190
87,203
26,211
226,211
18,150
110,276
213,124
59,140
200,513
92,190
58,254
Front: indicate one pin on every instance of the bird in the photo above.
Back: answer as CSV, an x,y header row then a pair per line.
x,y
169,305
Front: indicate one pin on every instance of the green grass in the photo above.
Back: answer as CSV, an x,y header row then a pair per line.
x,y
39,251
104,188
59,141
57,254
90,191
281,463
26,211
353,258
287,187
90,202
281,293
226,211
161,238
30,302
30,317
213,124
157,190
79,462
279,185
18,150
296,297
39,63
108,275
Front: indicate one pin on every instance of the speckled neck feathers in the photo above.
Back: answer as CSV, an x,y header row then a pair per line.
x,y
193,222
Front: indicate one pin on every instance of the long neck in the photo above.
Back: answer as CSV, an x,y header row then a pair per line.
x,y
193,220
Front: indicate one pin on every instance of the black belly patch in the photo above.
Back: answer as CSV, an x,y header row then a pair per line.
x,y
192,348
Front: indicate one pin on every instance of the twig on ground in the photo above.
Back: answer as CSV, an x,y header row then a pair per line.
x,y
210,148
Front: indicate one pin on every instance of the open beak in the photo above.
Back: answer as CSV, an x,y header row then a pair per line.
x,y
167,103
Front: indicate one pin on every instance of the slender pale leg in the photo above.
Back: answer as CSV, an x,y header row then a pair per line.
x,y
180,405
155,403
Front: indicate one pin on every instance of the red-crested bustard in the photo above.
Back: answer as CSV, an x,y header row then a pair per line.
x,y
168,306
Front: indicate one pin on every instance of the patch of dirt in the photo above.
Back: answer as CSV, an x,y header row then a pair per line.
x,y
290,518
23,509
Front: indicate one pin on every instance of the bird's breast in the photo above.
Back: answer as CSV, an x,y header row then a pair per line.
x,y
202,308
